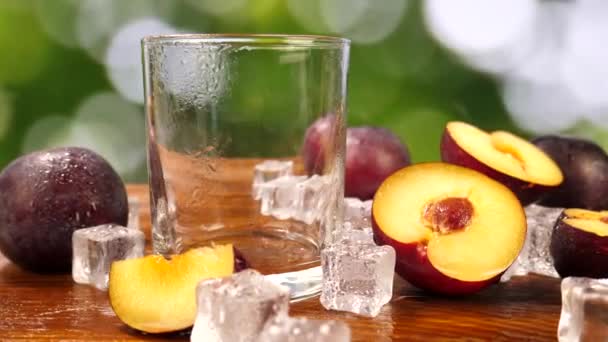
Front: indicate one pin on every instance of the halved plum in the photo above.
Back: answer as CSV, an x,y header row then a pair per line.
x,y
454,229
579,244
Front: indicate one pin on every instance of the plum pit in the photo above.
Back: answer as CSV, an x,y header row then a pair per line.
x,y
448,215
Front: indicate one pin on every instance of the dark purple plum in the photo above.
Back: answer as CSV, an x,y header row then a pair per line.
x,y
585,168
45,196
316,143
372,154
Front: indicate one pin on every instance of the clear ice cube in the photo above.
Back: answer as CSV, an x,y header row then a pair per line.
x,y
236,308
357,277
535,256
358,212
134,205
311,198
95,248
350,235
286,329
584,315
268,171
279,198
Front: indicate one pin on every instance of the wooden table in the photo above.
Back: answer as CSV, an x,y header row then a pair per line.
x,y
52,307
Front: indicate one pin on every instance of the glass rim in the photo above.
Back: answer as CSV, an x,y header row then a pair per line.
x,y
258,40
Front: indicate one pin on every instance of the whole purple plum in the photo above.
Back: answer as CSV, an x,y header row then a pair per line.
x,y
45,196
372,154
316,141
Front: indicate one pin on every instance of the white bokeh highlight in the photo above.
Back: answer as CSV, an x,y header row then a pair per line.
x,y
534,91
104,123
98,20
548,56
542,60
123,57
491,36
541,107
363,21
585,60
114,128
479,26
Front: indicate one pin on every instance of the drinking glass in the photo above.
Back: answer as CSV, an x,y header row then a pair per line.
x,y
246,138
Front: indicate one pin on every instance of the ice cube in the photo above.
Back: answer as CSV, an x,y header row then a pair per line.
x,y
279,198
95,248
236,308
286,329
584,310
134,205
350,235
357,277
311,198
521,265
358,212
535,256
540,227
267,171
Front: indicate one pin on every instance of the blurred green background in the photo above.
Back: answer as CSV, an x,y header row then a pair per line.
x,y
70,70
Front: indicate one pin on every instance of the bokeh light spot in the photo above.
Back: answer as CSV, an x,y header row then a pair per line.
x,y
585,61
98,20
491,36
474,26
540,60
112,127
104,123
541,107
363,21
123,58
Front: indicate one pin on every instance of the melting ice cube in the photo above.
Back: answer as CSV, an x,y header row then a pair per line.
x,y
95,248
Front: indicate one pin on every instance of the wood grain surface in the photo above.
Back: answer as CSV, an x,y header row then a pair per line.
x,y
52,307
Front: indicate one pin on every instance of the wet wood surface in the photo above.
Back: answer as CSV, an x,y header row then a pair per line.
x,y
52,307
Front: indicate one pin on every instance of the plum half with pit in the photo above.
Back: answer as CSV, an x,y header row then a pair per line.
x,y
455,230
45,196
372,154
585,168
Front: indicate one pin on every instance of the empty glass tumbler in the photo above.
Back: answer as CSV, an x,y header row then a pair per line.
x,y
246,138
